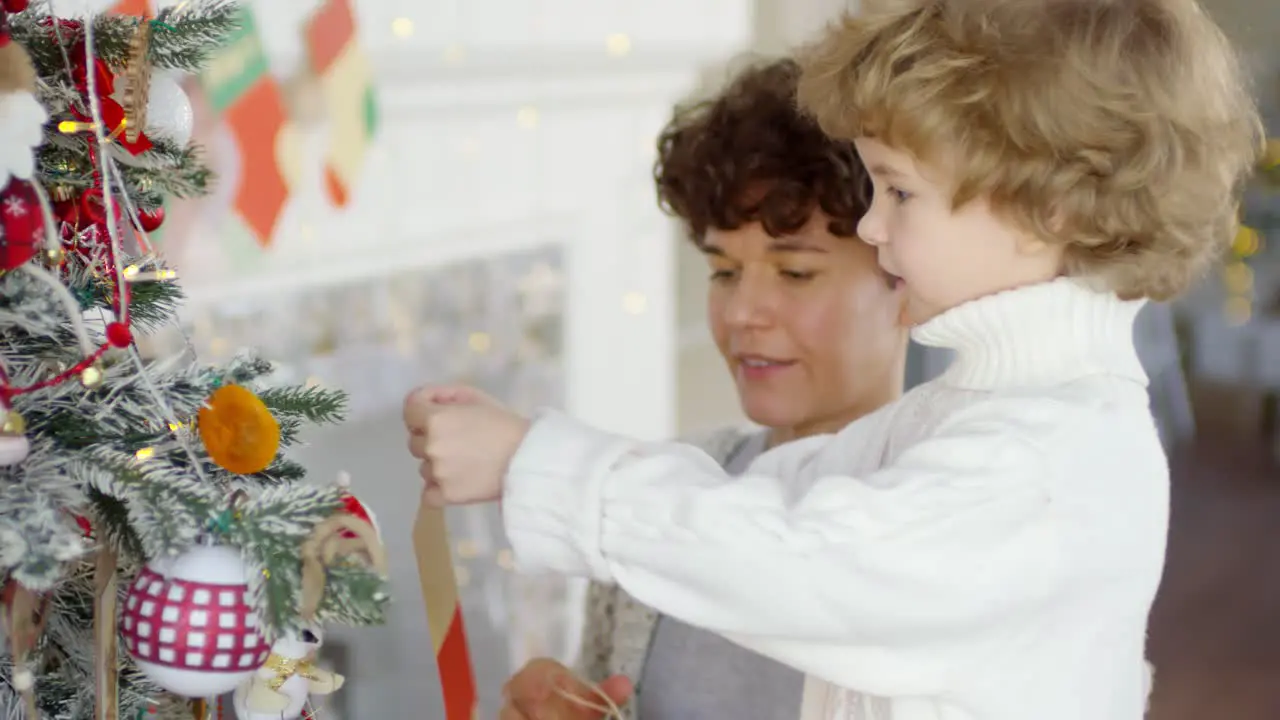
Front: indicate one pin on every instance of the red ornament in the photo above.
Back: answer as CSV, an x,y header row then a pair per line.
x,y
68,211
16,6
151,220
190,625
119,335
352,506
92,207
21,227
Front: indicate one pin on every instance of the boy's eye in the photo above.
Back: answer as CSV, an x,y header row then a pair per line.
x,y
899,195
720,275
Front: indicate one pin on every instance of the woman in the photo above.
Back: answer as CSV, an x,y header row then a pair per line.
x,y
809,327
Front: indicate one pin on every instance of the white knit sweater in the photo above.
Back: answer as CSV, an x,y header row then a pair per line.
x,y
987,548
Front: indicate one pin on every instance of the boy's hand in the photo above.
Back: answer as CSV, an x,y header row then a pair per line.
x,y
465,440
537,692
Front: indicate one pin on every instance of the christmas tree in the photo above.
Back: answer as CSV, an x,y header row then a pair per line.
x,y
138,494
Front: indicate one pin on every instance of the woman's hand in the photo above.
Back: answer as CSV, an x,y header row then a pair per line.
x,y
538,690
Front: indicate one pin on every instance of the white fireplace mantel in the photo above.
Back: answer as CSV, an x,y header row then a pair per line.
x,y
489,143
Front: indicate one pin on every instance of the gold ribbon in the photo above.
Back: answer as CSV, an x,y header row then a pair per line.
x,y
285,668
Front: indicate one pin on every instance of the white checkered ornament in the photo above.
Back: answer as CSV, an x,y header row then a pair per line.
x,y
189,623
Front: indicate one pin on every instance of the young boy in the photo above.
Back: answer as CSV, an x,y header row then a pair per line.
x,y
988,547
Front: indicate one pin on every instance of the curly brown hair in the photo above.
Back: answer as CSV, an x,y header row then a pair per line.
x,y
748,155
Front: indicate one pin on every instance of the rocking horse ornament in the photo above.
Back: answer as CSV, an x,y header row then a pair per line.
x,y
282,688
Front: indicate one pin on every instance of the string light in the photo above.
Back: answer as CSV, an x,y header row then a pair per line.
x,y
506,560
527,117
634,303
618,44
133,273
145,453
1239,310
479,342
70,127
1237,276
91,377
467,549
454,55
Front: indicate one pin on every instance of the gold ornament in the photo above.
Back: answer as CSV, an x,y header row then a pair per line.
x,y
54,255
1271,158
14,424
285,668
138,90
91,377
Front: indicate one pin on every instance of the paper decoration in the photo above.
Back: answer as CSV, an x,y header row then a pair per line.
x,y
141,8
347,82
242,90
444,614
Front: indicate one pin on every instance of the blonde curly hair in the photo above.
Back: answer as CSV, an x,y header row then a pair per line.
x,y
1122,129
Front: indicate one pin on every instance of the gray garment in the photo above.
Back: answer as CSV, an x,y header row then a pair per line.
x,y
693,674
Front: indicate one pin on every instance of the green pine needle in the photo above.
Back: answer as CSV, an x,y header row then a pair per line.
x,y
313,404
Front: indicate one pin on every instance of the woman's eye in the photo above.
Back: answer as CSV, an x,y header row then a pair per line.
x,y
797,274
722,275
899,195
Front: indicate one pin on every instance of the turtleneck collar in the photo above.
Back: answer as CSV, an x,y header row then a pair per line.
x,y
1035,336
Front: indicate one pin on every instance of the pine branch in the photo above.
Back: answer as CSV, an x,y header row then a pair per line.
x,y
169,171
113,526
180,40
290,429
354,595
313,404
270,531
244,369
282,472
185,39
153,305
171,509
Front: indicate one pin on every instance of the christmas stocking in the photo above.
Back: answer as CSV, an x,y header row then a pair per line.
x,y
241,89
347,82
141,8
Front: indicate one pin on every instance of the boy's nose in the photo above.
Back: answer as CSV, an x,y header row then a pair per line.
x,y
871,228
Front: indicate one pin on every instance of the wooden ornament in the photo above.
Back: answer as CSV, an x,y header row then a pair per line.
x,y
238,430
22,616
105,659
17,73
137,90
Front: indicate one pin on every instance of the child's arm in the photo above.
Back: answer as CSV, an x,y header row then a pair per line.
x,y
855,580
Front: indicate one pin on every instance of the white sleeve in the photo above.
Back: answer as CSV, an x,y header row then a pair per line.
x,y
884,583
